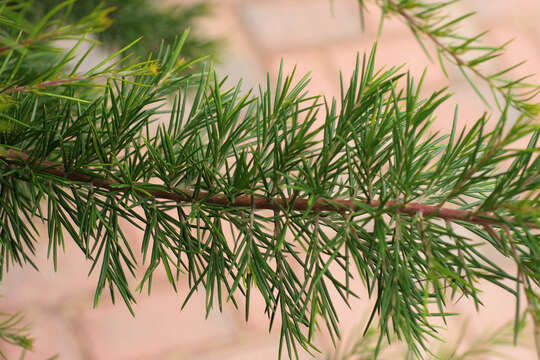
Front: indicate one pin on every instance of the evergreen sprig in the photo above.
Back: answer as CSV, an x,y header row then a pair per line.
x,y
315,192
13,333
491,342
431,21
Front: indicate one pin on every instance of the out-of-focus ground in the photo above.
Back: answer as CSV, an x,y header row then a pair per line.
x,y
320,36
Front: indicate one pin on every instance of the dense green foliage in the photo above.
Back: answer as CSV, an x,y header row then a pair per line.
x,y
371,193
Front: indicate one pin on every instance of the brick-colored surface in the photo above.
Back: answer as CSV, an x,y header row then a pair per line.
x,y
28,287
158,325
54,334
292,24
321,36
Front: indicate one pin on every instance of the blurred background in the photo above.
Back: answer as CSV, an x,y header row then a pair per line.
x,y
247,39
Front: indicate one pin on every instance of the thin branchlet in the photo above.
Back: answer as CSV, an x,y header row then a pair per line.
x,y
432,21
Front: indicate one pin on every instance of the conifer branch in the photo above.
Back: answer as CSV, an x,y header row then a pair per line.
x,y
410,20
28,42
428,19
529,292
372,193
45,84
342,206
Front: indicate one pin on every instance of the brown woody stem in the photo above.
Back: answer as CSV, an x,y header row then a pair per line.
x,y
14,157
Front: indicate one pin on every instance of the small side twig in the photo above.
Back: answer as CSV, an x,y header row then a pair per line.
x,y
44,84
528,290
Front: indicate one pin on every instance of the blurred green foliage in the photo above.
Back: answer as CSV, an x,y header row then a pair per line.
x,y
154,20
